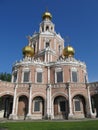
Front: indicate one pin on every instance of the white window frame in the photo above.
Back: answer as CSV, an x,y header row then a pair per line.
x,y
39,106
40,71
59,70
74,70
23,71
77,99
13,76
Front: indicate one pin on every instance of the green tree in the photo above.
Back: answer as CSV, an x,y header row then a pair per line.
x,y
5,76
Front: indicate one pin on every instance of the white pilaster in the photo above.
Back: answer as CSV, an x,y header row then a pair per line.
x,y
92,115
48,75
29,115
49,96
49,102
70,103
13,115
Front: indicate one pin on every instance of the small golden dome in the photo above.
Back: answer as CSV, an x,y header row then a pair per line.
x,y
68,51
47,15
28,51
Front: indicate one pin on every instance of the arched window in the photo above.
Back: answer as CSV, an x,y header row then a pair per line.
x,y
47,28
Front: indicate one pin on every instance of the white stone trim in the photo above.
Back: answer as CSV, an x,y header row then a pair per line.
x,y
81,105
58,70
38,70
74,70
23,71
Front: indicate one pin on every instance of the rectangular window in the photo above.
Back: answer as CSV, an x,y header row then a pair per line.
x,y
77,106
62,106
39,77
59,76
37,106
26,76
74,76
15,77
47,44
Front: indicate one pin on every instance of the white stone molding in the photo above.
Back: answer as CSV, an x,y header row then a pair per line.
x,y
25,69
41,94
58,69
38,70
48,75
6,92
73,69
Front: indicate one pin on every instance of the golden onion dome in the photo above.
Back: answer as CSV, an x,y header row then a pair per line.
x,y
28,51
68,51
47,15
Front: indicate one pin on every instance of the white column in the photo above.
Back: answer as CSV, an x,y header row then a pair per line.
x,y
90,107
13,115
49,102
17,105
50,105
14,101
30,101
48,75
48,95
12,78
70,103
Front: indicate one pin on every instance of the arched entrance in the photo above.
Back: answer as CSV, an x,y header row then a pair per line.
x,y
60,108
38,107
94,101
6,103
22,106
79,106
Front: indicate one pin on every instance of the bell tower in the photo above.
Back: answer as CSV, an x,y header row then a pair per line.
x,y
46,24
47,44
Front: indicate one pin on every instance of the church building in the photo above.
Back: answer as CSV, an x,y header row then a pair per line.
x,y
48,82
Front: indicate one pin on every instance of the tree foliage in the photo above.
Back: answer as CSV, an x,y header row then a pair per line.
x,y
5,77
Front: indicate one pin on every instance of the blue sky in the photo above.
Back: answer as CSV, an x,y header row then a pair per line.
x,y
77,19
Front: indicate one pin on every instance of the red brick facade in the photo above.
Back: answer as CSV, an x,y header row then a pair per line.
x,y
48,85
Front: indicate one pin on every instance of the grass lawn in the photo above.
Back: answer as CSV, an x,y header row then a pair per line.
x,y
79,125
